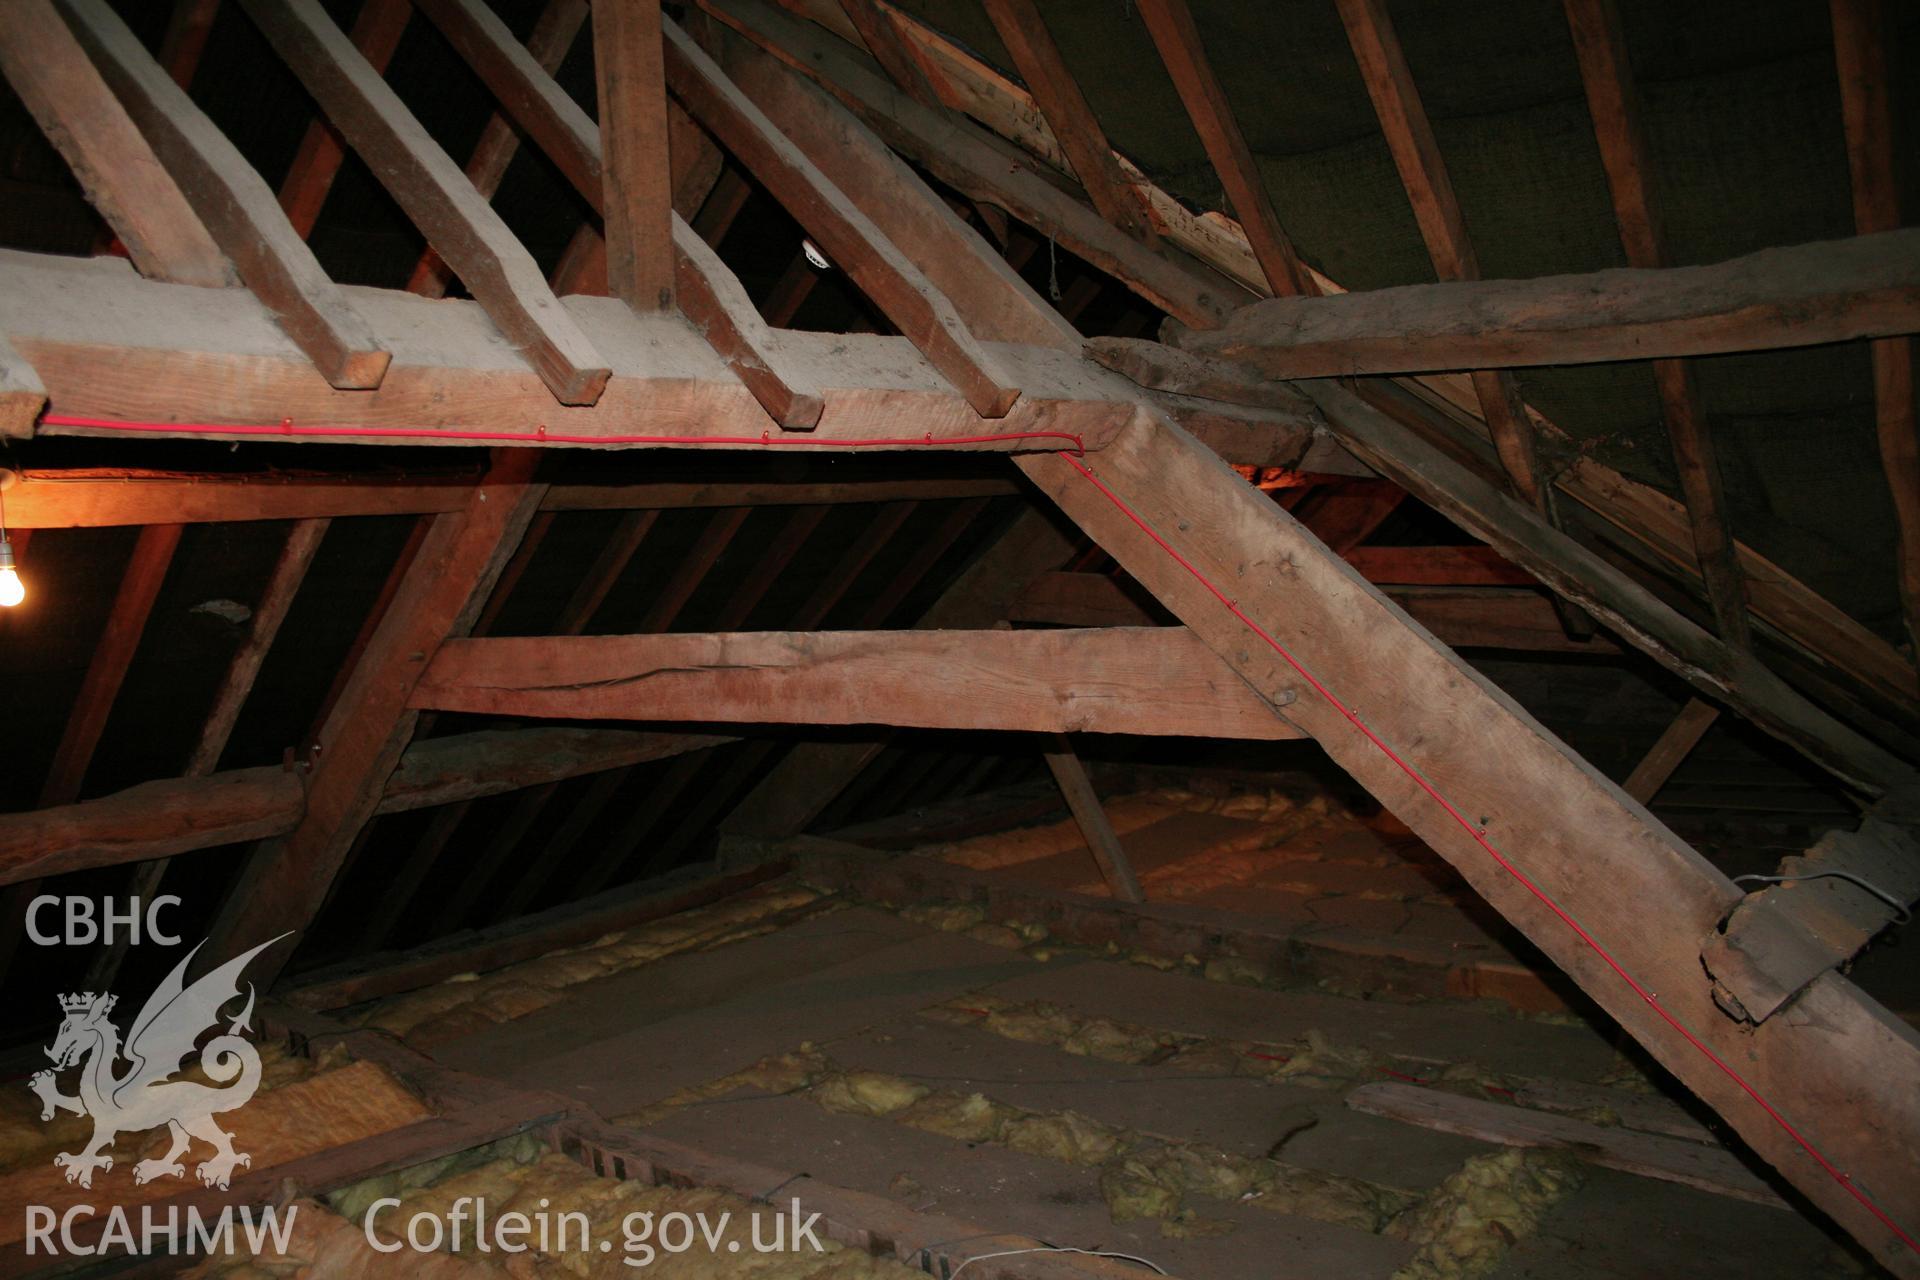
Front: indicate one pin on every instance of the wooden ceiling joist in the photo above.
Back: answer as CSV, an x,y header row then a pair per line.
x,y
100,357
436,195
1030,681
234,204
891,50
710,295
116,167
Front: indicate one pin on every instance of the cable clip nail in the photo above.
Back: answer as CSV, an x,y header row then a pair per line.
x,y
286,426
766,437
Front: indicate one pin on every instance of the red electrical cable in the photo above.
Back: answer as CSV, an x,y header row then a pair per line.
x,y
1480,838
769,438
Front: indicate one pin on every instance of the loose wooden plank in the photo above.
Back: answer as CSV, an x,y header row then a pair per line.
x,y
896,285
111,352
711,296
1042,681
1177,36
115,166
1613,102
1665,755
638,201
1802,295
1710,1168
285,881
1024,32
234,204
496,268
1860,41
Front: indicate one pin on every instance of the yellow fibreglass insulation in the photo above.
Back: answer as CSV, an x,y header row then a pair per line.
x,y
470,1002
301,1108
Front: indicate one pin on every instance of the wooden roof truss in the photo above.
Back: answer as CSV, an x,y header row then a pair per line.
x,y
230,331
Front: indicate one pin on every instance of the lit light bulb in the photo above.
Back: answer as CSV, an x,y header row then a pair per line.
x,y
12,590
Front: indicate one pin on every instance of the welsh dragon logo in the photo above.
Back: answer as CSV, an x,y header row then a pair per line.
x,y
142,1096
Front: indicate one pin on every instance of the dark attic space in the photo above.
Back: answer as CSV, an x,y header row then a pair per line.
x,y
987,639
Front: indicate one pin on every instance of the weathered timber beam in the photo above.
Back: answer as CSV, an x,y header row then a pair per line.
x,y
234,203
1669,749
285,881
1472,774
553,34
881,271
1177,36
376,32
898,59
1143,681
1727,675
1437,566
712,298
131,350
1024,33
1803,295
276,598
637,208
1461,619
1613,101
985,168
436,195
114,165
1643,899
178,815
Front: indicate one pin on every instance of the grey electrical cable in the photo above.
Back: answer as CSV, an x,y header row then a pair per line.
x,y
1055,1248
1899,908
